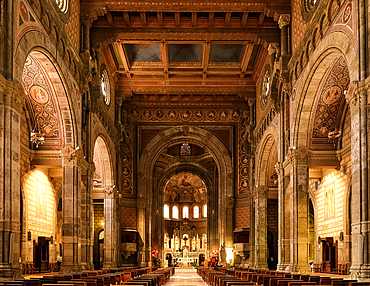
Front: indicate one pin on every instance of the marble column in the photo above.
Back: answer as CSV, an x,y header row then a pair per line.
x,y
10,227
299,238
284,22
360,228
110,228
141,222
87,211
71,194
260,217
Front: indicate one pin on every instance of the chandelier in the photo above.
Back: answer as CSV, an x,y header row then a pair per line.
x,y
37,137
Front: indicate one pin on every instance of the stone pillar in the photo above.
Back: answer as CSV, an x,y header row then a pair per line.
x,y
71,194
110,228
141,222
252,235
284,22
360,204
260,233
299,238
229,239
10,227
87,211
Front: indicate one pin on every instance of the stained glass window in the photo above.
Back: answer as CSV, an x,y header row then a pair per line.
x,y
196,212
185,149
166,211
175,212
185,212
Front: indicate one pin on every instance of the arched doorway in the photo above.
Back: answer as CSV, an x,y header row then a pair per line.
x,y
150,188
185,217
104,196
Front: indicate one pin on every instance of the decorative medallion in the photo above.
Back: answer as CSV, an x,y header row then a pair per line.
x,y
244,160
185,114
235,115
223,114
199,114
211,114
172,114
147,114
244,184
244,171
126,159
347,13
135,114
24,11
126,171
159,114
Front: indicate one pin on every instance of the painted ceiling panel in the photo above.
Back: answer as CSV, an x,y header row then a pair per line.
x,y
181,53
143,53
226,53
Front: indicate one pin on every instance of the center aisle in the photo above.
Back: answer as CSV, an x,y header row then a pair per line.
x,y
185,276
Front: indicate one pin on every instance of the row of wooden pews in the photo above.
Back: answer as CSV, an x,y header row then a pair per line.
x,y
136,276
233,277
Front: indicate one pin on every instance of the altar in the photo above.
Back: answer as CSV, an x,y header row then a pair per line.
x,y
185,261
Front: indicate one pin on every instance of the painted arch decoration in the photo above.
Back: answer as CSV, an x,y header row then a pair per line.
x,y
42,102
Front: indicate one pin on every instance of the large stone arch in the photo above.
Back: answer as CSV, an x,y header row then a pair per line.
x,y
64,83
224,163
268,141
331,47
189,167
108,155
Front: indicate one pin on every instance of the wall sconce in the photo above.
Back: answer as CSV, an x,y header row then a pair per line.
x,y
29,236
51,239
319,240
341,236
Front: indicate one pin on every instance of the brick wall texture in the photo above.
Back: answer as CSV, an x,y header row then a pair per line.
x,y
128,218
242,217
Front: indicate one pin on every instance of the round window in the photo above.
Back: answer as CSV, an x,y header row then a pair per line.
x,y
63,5
265,87
105,86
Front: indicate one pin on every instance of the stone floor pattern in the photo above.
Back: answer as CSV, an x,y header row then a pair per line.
x,y
186,276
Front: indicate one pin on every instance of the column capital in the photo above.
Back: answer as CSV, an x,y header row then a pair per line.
x,y
251,102
284,20
273,48
87,20
71,156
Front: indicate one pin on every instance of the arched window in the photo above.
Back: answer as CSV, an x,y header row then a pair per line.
x,y
196,212
105,86
63,5
205,211
185,212
185,149
175,212
166,211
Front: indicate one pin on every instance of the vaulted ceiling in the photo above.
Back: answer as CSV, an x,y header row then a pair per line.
x,y
186,47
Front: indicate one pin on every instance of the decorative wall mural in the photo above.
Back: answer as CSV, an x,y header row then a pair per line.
x,y
98,161
41,102
331,102
329,203
185,188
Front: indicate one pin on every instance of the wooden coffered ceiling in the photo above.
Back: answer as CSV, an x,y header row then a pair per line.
x,y
186,47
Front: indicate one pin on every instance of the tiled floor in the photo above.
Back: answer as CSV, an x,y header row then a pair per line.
x,y
185,276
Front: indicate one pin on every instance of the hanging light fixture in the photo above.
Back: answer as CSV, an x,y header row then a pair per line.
x,y
37,137
334,135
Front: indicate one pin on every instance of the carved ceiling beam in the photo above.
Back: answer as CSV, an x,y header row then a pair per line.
x,y
164,57
124,59
246,58
206,53
143,19
160,19
227,19
261,18
248,91
95,6
272,35
110,19
243,22
177,19
194,19
211,17
126,19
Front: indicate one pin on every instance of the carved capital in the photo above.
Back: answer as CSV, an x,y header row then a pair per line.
x,y
71,156
273,48
229,201
251,101
119,101
284,20
301,152
141,201
87,20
